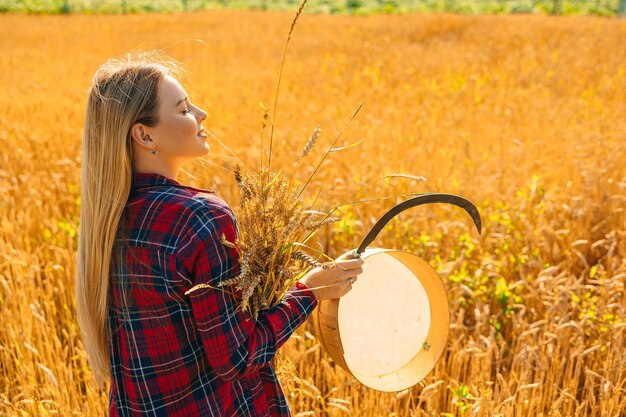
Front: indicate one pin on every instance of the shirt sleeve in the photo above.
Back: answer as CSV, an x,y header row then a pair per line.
x,y
235,342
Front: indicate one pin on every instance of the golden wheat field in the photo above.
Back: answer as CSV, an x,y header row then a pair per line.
x,y
523,115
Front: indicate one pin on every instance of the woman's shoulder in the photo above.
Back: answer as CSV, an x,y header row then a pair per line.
x,y
166,217
185,200
196,201
177,208
202,206
207,217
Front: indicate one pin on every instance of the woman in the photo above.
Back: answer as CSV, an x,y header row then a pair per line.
x,y
145,239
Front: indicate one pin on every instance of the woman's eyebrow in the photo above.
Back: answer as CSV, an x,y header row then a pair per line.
x,y
181,100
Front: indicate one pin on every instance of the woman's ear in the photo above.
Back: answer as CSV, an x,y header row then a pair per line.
x,y
140,136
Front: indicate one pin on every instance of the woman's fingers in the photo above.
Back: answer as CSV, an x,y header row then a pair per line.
x,y
339,279
342,275
350,263
352,272
348,255
348,270
336,281
348,286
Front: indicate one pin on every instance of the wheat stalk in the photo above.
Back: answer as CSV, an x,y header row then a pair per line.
x,y
280,76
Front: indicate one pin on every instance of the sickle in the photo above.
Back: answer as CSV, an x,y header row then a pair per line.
x,y
453,199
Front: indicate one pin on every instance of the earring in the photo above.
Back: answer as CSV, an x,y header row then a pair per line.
x,y
153,151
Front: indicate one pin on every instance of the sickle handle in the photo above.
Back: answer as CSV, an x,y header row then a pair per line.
x,y
453,199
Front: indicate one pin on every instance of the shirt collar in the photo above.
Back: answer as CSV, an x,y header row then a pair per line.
x,y
151,179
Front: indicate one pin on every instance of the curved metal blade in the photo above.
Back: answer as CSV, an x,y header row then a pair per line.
x,y
453,199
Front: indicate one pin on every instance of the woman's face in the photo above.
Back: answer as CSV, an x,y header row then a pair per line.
x,y
178,135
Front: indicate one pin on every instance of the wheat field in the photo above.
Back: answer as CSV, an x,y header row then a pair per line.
x,y
523,115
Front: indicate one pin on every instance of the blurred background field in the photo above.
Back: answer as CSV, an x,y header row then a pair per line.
x,y
358,7
521,114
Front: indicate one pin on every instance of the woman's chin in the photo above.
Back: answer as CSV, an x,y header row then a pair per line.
x,y
205,151
205,147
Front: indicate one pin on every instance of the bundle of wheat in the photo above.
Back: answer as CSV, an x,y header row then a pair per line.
x,y
274,226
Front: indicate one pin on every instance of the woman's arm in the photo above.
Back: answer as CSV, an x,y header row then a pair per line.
x,y
234,342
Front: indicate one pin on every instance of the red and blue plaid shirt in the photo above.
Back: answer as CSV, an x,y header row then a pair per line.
x,y
180,355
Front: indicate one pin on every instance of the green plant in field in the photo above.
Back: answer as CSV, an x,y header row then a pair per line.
x,y
503,294
353,5
357,7
59,234
346,226
388,6
462,399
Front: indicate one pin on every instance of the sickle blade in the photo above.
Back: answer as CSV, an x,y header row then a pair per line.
x,y
453,199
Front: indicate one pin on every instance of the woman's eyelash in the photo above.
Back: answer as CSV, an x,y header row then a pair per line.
x,y
186,111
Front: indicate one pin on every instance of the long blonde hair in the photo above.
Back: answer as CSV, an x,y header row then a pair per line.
x,y
123,92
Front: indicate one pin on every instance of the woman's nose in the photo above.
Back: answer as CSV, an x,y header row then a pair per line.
x,y
201,115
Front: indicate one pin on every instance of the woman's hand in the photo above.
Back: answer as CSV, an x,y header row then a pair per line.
x,y
337,281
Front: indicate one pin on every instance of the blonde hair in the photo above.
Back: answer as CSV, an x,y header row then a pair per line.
x,y
123,92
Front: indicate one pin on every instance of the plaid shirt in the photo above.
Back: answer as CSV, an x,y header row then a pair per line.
x,y
189,355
